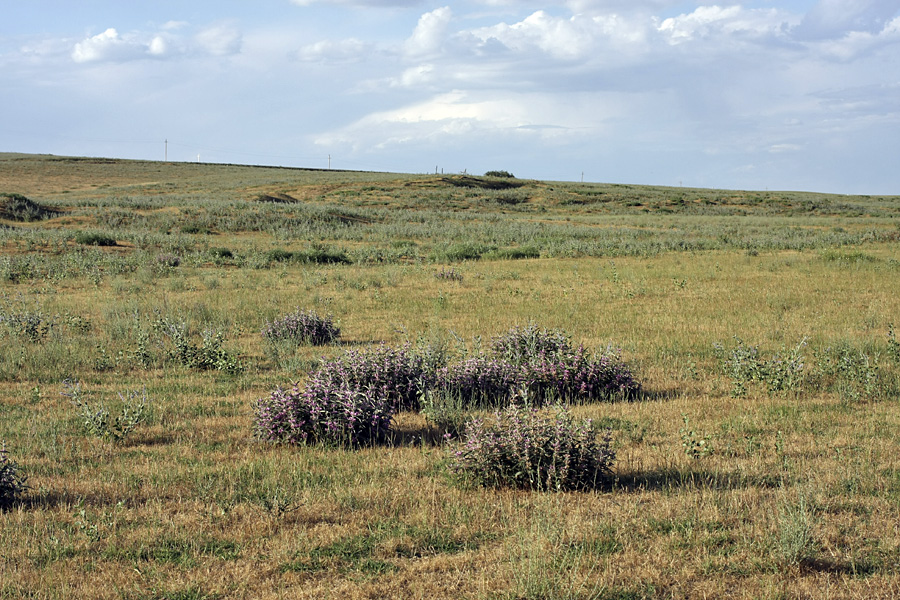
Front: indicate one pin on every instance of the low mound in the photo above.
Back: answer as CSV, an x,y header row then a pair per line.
x,y
16,207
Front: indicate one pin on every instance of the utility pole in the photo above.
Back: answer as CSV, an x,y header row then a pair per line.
x,y
329,162
167,149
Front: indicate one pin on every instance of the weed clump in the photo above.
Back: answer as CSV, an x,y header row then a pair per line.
x,y
12,480
91,238
524,448
302,327
17,207
99,421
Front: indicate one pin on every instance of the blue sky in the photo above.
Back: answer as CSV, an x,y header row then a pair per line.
x,y
801,95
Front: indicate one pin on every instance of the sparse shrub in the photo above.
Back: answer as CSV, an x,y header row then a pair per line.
x,y
524,448
782,373
445,410
505,174
576,375
695,445
221,253
459,252
341,414
448,274
323,255
350,400
795,542
12,480
210,354
99,421
90,238
550,367
893,344
302,327
850,371
278,255
167,261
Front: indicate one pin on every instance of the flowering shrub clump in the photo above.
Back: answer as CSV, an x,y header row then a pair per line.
x,y
341,415
525,448
480,380
395,374
523,344
353,398
12,481
348,401
302,327
575,374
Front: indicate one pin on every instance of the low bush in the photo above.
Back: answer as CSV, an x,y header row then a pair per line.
x,y
501,173
520,345
167,261
302,327
90,238
527,364
519,253
395,374
480,381
340,415
522,447
459,252
17,207
12,480
783,372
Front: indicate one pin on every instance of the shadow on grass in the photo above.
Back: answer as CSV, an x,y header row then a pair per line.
x,y
669,479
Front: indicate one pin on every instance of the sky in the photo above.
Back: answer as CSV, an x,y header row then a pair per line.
x,y
791,95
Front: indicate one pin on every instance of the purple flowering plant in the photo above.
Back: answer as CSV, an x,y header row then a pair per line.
x,y
352,399
302,327
523,447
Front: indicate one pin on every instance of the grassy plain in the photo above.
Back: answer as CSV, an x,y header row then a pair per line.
x,y
799,496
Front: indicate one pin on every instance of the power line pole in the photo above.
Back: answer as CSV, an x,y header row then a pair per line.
x,y
329,161
167,149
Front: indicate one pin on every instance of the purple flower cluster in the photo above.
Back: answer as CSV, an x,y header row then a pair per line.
x,y
542,362
577,375
396,375
524,448
480,380
302,327
349,401
449,274
342,415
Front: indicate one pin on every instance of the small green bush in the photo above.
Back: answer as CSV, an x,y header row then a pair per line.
x,y
302,327
505,174
459,252
90,238
513,253
528,449
99,421
12,480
